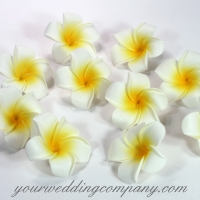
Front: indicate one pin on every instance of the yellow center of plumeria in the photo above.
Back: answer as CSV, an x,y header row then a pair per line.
x,y
140,46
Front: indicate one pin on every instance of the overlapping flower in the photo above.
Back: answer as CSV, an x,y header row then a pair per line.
x,y
182,78
71,35
135,101
59,143
25,72
137,150
86,78
16,114
136,46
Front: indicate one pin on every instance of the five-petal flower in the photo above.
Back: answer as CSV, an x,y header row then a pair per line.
x,y
70,35
135,47
59,143
137,150
182,78
86,78
136,102
25,72
16,114
191,125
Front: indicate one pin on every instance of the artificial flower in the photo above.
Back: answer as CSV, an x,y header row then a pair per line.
x,y
135,101
191,125
25,72
137,150
182,78
136,46
59,143
70,35
86,78
16,114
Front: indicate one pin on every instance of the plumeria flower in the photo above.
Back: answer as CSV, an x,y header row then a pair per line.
x,y
16,114
25,72
136,46
191,126
137,151
70,35
182,78
59,143
135,101
86,78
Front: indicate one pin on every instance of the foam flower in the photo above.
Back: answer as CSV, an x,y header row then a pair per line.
x,y
135,101
136,46
137,150
182,78
59,143
16,114
25,72
191,126
86,78
70,35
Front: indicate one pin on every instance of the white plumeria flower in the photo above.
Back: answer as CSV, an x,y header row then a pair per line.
x,y
70,35
135,101
182,78
137,150
136,46
59,143
86,78
25,72
191,125
16,114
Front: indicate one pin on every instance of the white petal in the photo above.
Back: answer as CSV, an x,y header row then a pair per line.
x,y
191,125
18,136
100,85
129,171
137,81
121,55
61,53
155,48
140,63
7,68
46,124
189,60
88,32
54,31
172,92
65,78
62,166
14,82
125,118
81,149
79,60
36,149
9,97
167,70
132,134
154,161
148,114
66,129
119,151
117,96
37,85
191,98
144,30
125,38
71,20
156,98
82,98
27,104
154,131
22,53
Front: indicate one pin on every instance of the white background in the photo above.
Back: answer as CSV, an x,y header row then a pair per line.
x,y
23,23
